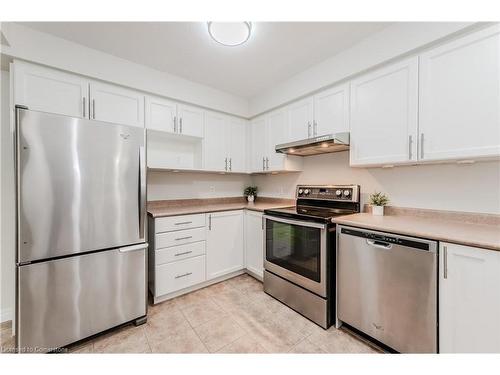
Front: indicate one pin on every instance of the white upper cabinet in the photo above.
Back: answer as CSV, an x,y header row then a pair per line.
x,y
300,120
190,120
225,246
237,147
384,114
50,90
161,114
469,300
116,104
276,134
258,144
331,111
215,142
460,98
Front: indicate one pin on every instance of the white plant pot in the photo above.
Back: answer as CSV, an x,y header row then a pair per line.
x,y
250,198
378,210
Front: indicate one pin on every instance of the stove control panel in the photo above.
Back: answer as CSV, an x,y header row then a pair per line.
x,y
349,193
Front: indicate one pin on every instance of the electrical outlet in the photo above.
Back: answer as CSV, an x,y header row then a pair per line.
x,y
212,188
281,191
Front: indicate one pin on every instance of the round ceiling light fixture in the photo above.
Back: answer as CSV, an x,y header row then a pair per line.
x,y
230,33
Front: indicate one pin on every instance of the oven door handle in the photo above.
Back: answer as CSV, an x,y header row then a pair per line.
x,y
302,223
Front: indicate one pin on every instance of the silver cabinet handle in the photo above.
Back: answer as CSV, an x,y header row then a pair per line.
x,y
183,238
226,163
180,125
410,144
445,262
184,253
175,124
309,129
262,224
209,222
421,145
315,128
83,106
230,164
267,163
263,164
183,223
380,245
183,275
93,109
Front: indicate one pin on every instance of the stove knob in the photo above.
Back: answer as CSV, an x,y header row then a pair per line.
x,y
332,220
347,193
301,191
338,193
306,192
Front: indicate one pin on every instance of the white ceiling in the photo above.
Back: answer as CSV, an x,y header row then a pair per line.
x,y
275,52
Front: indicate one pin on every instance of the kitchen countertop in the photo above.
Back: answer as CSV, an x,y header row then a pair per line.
x,y
463,232
198,206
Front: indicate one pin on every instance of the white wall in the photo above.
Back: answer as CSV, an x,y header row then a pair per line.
x,y
468,188
7,206
42,48
170,185
390,43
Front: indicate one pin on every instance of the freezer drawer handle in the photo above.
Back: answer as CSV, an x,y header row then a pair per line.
x,y
184,223
380,245
127,249
184,253
183,275
183,238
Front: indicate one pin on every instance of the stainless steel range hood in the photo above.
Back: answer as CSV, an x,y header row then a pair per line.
x,y
318,145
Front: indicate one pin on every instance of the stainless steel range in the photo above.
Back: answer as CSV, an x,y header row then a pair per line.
x,y
300,249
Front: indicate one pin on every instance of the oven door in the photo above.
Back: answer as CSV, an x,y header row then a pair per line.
x,y
296,251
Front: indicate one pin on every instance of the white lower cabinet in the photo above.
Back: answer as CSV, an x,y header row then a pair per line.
x,y
171,277
224,243
254,243
469,299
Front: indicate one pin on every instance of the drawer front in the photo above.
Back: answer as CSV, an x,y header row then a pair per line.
x,y
175,253
167,224
175,276
180,237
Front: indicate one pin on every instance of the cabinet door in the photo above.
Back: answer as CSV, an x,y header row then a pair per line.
x,y
384,115
300,120
254,243
331,111
224,243
469,300
258,144
276,134
161,114
237,146
460,98
191,120
49,90
116,104
215,142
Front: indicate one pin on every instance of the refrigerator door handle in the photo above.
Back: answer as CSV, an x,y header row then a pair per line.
x,y
127,249
142,191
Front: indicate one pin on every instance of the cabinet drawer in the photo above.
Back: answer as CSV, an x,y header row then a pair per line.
x,y
167,224
179,275
175,253
179,237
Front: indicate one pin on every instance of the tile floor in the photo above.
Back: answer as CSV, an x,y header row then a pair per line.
x,y
234,316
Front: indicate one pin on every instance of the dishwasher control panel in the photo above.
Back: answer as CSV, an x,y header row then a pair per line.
x,y
388,239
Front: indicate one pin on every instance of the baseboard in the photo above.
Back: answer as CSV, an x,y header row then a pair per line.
x,y
6,315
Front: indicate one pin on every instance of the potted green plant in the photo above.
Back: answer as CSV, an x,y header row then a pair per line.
x,y
378,200
250,192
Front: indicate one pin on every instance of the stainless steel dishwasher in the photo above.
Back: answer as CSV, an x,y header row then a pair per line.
x,y
387,288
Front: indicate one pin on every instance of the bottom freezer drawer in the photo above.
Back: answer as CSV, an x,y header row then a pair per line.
x,y
175,276
65,300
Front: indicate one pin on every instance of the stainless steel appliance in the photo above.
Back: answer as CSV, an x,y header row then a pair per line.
x,y
387,288
322,144
81,250
300,249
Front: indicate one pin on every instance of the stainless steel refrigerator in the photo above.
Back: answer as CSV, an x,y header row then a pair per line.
x,y
81,245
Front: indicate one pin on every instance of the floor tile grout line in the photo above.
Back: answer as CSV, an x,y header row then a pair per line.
x,y
196,333
147,340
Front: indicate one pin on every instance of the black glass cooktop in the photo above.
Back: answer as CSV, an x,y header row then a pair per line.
x,y
309,213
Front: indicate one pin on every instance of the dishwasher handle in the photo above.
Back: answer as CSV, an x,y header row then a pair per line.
x,y
379,244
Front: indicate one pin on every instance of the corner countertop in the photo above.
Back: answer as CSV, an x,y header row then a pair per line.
x,y
197,206
459,228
